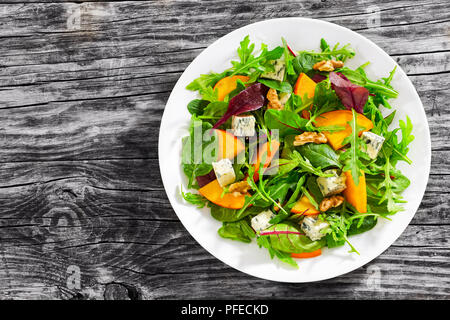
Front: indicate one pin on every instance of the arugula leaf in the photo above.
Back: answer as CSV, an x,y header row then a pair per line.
x,y
353,155
195,199
359,78
337,233
305,60
248,62
205,81
389,185
305,165
282,256
288,57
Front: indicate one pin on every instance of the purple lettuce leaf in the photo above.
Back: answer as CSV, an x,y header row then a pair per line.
x,y
247,100
351,95
318,78
205,179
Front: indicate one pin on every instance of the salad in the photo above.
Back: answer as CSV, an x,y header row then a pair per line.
x,y
291,149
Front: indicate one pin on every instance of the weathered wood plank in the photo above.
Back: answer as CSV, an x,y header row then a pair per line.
x,y
128,126
124,187
399,273
115,29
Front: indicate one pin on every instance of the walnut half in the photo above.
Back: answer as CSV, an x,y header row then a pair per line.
x,y
328,65
274,102
239,188
331,202
308,137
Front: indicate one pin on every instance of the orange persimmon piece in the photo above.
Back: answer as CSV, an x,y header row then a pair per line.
x,y
305,207
303,255
341,118
213,192
356,195
229,145
305,86
267,151
225,85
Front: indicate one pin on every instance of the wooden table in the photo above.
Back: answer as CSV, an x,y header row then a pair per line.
x,y
83,213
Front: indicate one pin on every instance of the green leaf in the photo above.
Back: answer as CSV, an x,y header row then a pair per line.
x,y
353,155
248,62
192,155
305,165
197,106
361,79
238,230
288,238
320,155
288,57
282,256
359,226
205,81
210,94
277,85
195,199
313,188
230,215
286,122
215,109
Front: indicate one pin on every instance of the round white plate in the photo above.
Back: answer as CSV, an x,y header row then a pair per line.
x,y
300,34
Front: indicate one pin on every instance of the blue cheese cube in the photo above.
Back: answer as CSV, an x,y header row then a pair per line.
x,y
243,126
313,227
260,222
373,142
332,185
224,172
278,72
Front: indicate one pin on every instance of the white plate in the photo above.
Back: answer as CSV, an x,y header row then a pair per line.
x,y
300,34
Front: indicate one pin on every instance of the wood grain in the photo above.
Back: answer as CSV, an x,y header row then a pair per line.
x,y
83,87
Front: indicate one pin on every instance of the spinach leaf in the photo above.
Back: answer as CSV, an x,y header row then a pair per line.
x,y
358,227
287,122
238,230
304,62
215,109
230,215
313,188
283,256
192,152
277,85
197,106
287,238
320,155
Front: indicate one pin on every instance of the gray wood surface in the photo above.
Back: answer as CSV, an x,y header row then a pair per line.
x,y
83,213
